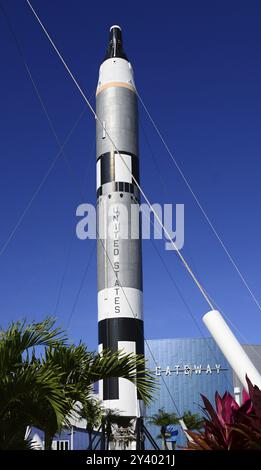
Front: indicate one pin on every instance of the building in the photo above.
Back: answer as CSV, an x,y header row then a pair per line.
x,y
74,438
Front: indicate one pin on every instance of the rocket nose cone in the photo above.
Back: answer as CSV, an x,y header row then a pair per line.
x,y
115,26
115,48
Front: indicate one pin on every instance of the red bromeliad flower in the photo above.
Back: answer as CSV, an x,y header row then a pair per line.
x,y
230,426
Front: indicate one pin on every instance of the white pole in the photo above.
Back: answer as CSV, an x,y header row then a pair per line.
x,y
185,429
27,433
71,438
237,395
231,348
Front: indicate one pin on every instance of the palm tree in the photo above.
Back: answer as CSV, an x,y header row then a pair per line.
x,y
193,422
96,416
163,419
42,391
92,410
23,381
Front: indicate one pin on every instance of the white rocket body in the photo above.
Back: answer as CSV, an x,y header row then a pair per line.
x,y
231,348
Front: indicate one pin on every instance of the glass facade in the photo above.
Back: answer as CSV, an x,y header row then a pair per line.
x,y
184,369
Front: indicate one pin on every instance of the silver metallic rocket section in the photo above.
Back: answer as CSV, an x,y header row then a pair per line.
x,y
119,247
116,108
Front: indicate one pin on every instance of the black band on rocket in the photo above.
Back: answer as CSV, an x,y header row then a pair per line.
x,y
112,330
109,171
118,186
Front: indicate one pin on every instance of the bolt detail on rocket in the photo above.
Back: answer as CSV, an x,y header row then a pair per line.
x,y
120,315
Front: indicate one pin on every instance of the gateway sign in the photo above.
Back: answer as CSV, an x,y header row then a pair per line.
x,y
188,369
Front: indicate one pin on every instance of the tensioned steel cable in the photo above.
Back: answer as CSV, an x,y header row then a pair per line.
x,y
191,314
231,259
163,183
19,49
200,287
67,262
61,146
86,175
80,287
65,269
256,353
37,190
61,150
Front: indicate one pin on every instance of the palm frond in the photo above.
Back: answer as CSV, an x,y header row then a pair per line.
x,y
128,366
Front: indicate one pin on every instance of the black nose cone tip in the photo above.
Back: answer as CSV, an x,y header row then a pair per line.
x,y
115,48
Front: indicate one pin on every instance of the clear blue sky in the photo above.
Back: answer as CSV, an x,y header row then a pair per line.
x,y
198,68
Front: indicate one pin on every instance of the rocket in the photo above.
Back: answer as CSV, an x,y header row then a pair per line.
x,y
120,295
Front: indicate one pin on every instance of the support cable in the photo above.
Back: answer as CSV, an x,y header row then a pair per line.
x,y
231,259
